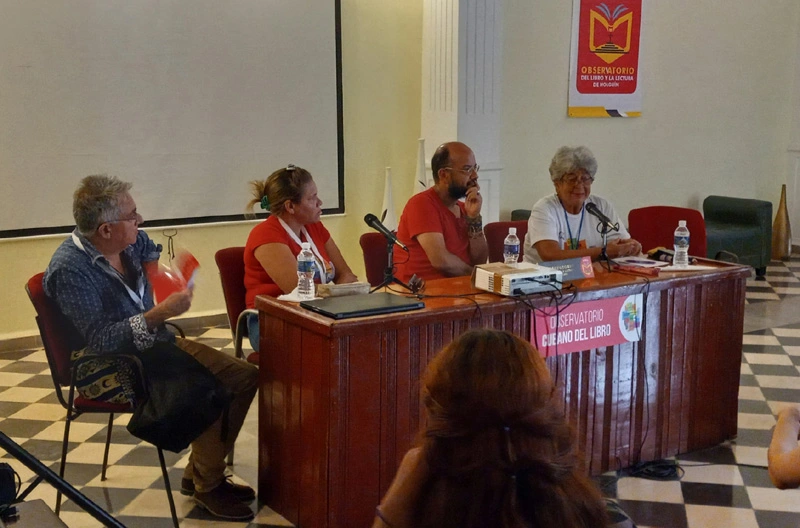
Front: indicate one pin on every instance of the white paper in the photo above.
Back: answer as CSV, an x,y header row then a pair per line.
x,y
641,261
293,296
690,267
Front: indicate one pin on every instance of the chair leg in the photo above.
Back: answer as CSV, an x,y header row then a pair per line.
x,y
169,489
230,456
108,443
63,459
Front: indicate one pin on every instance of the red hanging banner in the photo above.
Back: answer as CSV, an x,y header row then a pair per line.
x,y
604,76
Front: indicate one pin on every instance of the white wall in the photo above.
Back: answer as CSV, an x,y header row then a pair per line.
x,y
381,69
716,116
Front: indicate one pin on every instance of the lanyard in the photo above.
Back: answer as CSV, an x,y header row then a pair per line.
x,y
135,297
573,242
317,255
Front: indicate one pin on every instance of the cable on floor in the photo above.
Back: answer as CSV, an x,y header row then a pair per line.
x,y
654,470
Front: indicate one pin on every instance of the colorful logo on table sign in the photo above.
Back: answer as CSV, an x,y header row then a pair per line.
x,y
630,317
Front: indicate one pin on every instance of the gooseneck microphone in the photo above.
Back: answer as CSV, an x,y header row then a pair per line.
x,y
606,221
376,224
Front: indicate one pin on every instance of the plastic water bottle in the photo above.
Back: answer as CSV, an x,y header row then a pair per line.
x,y
305,272
681,259
511,247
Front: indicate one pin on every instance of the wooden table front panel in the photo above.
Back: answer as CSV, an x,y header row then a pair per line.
x,y
339,402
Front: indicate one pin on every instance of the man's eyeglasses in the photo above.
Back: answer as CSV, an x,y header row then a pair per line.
x,y
575,179
467,170
134,216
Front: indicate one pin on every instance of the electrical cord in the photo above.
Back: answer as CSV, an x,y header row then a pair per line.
x,y
421,296
560,299
655,470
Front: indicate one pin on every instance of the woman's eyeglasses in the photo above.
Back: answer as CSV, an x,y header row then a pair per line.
x,y
575,179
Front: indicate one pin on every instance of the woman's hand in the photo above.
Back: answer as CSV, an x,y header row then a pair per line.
x,y
623,248
398,503
783,454
343,272
346,277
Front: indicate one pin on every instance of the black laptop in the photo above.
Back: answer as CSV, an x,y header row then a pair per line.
x,y
361,305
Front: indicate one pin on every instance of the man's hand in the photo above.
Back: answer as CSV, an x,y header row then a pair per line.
x,y
445,262
474,200
178,302
175,304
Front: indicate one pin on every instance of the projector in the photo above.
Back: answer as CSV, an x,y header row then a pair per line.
x,y
522,278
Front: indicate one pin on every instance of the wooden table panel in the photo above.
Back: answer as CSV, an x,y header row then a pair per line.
x,y
339,402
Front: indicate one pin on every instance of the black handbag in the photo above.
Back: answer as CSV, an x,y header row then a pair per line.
x,y
183,399
9,485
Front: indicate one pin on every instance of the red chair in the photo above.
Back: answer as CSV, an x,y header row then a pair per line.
x,y
496,233
655,225
373,246
230,262
59,338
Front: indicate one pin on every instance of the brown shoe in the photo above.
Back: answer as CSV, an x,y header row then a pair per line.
x,y
242,492
221,502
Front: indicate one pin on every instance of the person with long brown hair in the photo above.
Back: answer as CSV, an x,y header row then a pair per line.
x,y
495,450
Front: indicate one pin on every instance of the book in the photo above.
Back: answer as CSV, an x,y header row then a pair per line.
x,y
647,271
178,276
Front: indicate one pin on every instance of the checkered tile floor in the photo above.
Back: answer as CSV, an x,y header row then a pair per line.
x,y
783,279
31,415
726,486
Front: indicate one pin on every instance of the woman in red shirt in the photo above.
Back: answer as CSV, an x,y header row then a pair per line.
x,y
270,256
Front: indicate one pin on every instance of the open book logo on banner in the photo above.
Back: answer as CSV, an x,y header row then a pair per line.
x,y
608,29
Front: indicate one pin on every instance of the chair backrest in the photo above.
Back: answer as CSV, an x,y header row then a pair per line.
x,y
496,233
58,334
520,214
230,262
655,225
373,245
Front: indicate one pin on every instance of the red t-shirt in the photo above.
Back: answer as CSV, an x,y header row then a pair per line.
x,y
426,213
270,231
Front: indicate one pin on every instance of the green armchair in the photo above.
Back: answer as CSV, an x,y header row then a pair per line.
x,y
741,226
520,214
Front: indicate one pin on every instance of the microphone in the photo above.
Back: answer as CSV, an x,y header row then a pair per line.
x,y
376,224
606,221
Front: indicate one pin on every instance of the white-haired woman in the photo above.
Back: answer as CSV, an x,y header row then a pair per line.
x,y
560,227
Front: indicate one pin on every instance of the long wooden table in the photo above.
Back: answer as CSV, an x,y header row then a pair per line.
x,y
339,401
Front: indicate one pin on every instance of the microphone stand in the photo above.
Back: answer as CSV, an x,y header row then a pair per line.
x,y
388,271
603,254
45,473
